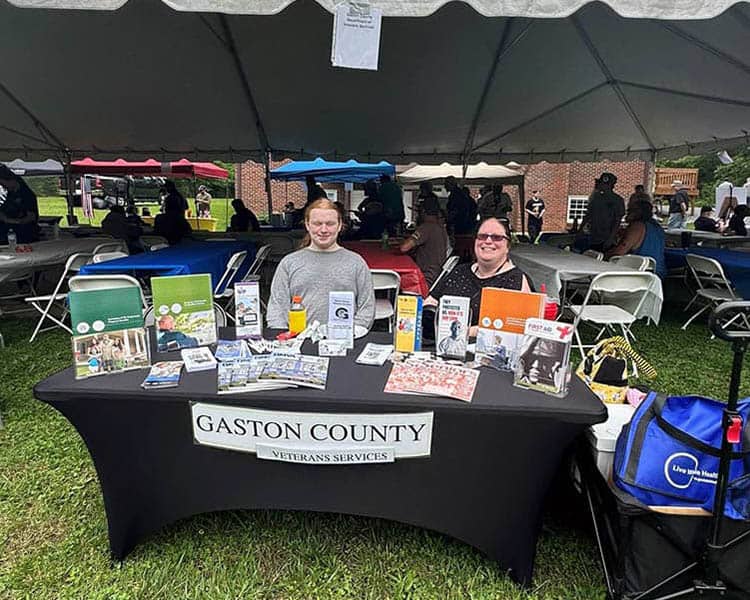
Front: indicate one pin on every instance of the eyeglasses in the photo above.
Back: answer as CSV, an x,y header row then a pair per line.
x,y
495,237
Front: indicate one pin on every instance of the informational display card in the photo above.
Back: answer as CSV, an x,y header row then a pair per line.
x,y
544,357
341,317
356,36
108,331
452,327
184,311
247,313
408,323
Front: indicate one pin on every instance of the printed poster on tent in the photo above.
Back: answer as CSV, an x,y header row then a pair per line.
x,y
356,36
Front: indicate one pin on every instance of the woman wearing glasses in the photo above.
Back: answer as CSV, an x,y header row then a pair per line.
x,y
493,268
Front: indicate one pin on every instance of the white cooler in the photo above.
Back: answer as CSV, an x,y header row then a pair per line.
x,y
603,436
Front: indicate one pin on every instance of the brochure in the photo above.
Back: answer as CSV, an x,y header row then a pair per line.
x,y
247,312
452,327
502,318
408,323
108,331
544,357
184,311
375,354
229,350
332,347
432,378
242,376
198,359
341,317
163,374
300,369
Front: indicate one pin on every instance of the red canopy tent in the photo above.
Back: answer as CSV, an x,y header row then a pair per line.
x,y
178,169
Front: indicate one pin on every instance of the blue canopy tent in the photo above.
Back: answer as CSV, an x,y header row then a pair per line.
x,y
326,171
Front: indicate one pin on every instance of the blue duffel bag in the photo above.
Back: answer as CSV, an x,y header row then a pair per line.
x,y
668,455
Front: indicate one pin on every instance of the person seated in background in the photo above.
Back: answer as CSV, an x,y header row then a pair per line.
x,y
706,222
131,213
736,225
643,236
429,242
243,218
639,195
492,268
371,213
117,224
172,224
319,267
18,208
203,202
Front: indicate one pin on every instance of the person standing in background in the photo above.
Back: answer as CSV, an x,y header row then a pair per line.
x,y
678,205
203,202
462,210
535,210
603,215
392,200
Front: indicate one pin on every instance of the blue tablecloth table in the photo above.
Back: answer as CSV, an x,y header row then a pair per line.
x,y
736,264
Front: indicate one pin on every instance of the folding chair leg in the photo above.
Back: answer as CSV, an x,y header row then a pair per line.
x,y
691,319
580,344
46,314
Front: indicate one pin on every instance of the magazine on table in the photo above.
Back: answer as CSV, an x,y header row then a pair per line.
x,y
300,369
163,374
544,357
229,350
247,313
432,378
198,359
242,376
375,354
108,331
452,327
184,311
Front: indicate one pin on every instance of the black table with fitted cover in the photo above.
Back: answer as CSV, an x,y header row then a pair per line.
x,y
491,463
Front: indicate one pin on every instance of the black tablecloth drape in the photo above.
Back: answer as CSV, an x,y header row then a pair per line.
x,y
491,463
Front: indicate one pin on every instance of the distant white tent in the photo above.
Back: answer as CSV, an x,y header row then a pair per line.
x,y
27,168
478,173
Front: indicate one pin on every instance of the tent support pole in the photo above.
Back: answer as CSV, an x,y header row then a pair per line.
x,y
70,189
522,202
267,168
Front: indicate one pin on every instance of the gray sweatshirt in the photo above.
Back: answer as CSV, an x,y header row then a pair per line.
x,y
312,274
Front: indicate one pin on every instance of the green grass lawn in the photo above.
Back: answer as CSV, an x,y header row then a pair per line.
x,y
53,532
55,205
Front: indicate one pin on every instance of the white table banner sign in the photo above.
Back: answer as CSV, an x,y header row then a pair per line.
x,y
313,438
356,36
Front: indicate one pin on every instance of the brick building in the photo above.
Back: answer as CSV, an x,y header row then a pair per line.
x,y
565,188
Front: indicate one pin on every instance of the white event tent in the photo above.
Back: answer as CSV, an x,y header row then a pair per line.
x,y
492,80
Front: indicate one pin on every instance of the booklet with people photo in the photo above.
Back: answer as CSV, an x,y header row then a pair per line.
x,y
184,311
544,357
108,331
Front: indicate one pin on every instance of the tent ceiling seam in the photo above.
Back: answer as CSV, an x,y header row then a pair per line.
x,y
541,115
26,135
500,53
708,98
588,42
706,47
43,129
245,83
217,35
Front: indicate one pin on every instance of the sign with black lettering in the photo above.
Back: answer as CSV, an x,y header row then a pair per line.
x,y
313,438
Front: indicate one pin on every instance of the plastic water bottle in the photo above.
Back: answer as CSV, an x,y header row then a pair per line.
x,y
297,315
12,240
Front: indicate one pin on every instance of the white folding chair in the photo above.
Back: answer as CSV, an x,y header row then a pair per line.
x,y
105,256
595,254
79,283
449,264
152,241
223,288
632,261
44,304
149,319
389,283
633,285
713,286
113,246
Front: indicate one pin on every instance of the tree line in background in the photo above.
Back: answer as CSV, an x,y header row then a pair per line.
x,y
711,172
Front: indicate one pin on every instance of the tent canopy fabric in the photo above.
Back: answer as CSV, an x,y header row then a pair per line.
x,y
177,169
326,171
479,173
487,80
29,169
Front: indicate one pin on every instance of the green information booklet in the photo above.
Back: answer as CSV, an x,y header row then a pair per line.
x,y
183,311
108,331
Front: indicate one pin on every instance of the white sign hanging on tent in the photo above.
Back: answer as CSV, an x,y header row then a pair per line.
x,y
356,36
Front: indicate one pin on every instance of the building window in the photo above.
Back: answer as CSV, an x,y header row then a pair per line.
x,y
577,207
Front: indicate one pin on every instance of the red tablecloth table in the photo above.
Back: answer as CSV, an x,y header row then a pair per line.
x,y
412,278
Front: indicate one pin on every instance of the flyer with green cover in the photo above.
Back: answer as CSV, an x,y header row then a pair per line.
x,y
108,331
184,311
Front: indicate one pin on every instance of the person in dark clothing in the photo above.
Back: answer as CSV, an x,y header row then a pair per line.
x,y
119,226
371,213
391,198
313,193
706,223
18,208
171,192
172,224
604,214
462,210
243,218
535,210
736,224
678,206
